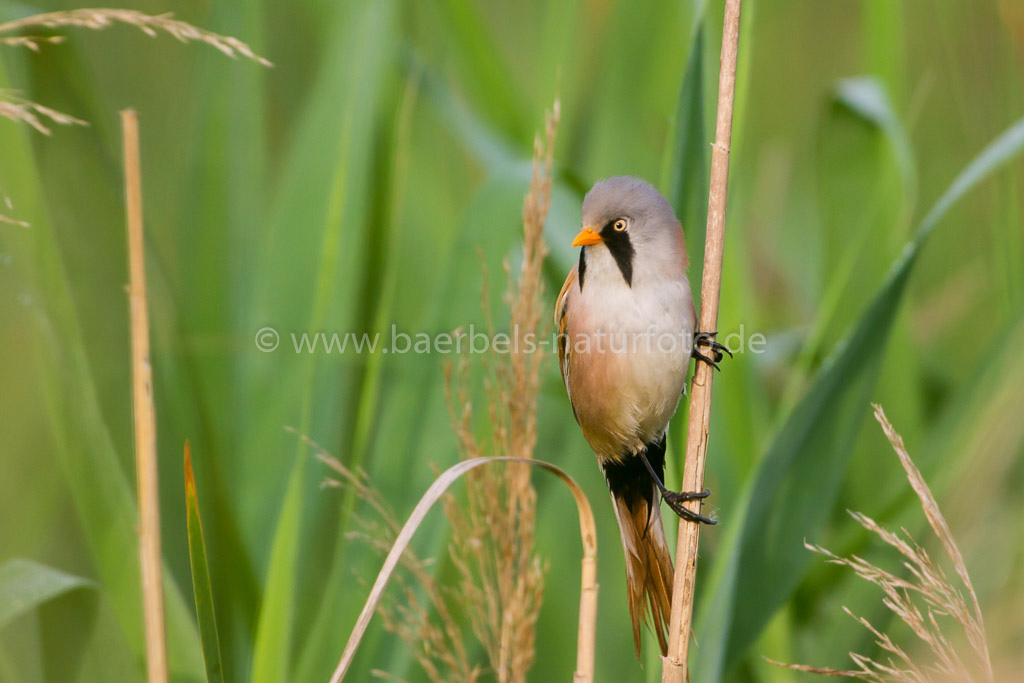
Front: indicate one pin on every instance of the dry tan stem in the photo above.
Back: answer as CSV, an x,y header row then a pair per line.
x,y
587,630
142,402
674,665
588,589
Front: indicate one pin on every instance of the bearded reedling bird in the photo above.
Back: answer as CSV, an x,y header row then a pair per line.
x,y
626,322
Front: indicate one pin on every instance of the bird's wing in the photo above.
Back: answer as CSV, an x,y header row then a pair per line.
x,y
562,325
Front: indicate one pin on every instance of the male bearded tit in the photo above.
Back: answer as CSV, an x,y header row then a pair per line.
x,y
626,324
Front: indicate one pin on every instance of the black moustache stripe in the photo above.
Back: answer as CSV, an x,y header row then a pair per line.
x,y
582,267
621,248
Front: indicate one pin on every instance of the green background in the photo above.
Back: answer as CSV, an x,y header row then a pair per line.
x,y
350,187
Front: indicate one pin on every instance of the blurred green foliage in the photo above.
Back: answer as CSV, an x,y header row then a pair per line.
x,y
350,188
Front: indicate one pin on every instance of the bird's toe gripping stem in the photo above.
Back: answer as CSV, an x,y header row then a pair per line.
x,y
675,499
717,349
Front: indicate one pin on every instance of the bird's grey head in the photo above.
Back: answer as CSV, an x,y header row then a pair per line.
x,y
629,217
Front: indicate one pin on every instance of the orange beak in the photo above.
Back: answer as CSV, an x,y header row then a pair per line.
x,y
585,237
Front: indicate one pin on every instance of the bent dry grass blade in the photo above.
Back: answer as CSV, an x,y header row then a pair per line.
x,y
201,578
588,586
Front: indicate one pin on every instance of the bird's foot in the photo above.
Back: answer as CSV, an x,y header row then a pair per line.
x,y
717,350
675,499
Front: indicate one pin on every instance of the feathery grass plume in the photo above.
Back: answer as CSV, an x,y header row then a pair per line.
x,y
501,578
33,43
101,18
927,602
21,110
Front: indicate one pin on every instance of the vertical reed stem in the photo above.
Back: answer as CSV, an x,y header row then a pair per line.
x,y
142,403
586,632
674,669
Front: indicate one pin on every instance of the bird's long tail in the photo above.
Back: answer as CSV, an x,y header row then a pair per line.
x,y
648,563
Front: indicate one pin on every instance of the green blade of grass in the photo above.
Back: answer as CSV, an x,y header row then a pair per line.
x,y
215,203
796,484
65,609
867,98
884,42
503,160
319,645
336,138
855,203
687,155
479,59
272,650
201,579
26,585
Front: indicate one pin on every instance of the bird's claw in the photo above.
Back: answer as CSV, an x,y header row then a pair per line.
x,y
704,359
717,349
675,500
682,496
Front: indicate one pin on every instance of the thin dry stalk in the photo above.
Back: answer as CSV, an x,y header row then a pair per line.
x,y
142,404
674,665
928,602
101,18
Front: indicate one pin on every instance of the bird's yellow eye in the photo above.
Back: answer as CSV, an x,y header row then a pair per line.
x,y
620,224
